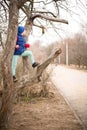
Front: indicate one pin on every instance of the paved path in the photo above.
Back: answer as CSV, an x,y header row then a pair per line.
x,y
73,85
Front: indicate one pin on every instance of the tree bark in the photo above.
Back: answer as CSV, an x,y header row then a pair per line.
x,y
8,90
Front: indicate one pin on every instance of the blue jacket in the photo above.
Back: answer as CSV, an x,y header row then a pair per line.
x,y
21,42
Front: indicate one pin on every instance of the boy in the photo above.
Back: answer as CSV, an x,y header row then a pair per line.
x,y
21,50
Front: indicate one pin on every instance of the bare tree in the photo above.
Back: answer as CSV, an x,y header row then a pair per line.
x,y
6,63
8,89
77,46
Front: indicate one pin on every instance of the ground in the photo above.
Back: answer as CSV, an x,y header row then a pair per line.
x,y
51,113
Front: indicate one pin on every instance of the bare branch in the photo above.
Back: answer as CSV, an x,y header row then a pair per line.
x,y
6,3
44,12
45,3
52,24
27,13
26,10
49,18
22,20
57,7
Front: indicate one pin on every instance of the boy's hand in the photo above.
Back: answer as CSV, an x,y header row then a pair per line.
x,y
27,45
17,46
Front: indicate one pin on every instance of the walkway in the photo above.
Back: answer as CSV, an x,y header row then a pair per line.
x,y
73,85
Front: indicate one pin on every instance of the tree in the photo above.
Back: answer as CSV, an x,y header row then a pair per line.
x,y
77,47
6,63
8,85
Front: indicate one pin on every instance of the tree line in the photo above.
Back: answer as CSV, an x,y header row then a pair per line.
x,y
77,50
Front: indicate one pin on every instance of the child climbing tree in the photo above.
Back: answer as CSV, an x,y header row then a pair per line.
x,y
8,86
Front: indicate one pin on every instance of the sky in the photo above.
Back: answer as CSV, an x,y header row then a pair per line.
x,y
76,17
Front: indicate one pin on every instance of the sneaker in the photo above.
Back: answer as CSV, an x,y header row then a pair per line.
x,y
35,64
14,79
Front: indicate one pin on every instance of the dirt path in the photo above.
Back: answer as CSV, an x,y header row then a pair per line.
x,y
44,114
73,84
51,113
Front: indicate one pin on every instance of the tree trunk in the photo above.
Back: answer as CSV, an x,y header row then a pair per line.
x,y
28,26
26,66
8,90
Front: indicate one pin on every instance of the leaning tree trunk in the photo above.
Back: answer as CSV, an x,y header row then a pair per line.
x,y
7,98
26,63
28,26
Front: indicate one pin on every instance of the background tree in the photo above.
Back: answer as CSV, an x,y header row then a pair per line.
x,y
77,46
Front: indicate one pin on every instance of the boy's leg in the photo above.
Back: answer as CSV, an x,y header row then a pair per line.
x,y
30,54
14,64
